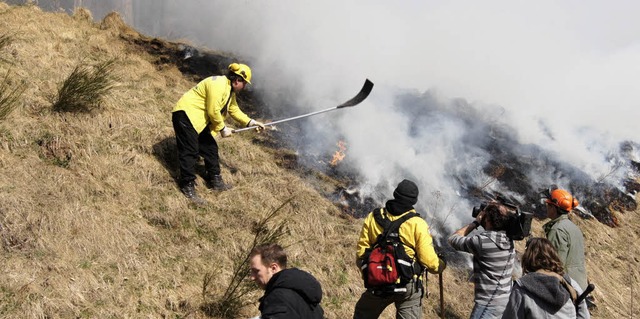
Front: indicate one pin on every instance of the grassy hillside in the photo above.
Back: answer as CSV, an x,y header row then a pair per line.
x,y
92,224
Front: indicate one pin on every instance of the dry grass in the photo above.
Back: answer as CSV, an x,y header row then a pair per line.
x,y
93,226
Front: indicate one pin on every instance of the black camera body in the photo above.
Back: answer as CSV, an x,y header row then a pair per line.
x,y
519,223
476,210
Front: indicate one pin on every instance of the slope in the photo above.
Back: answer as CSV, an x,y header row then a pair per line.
x,y
93,226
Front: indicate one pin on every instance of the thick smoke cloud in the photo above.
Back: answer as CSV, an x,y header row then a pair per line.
x,y
555,80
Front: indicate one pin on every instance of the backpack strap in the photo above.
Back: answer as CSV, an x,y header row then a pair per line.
x,y
572,291
389,227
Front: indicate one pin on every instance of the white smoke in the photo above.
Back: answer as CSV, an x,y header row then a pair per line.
x,y
562,74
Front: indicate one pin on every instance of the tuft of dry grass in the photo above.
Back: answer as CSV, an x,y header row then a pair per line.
x,y
5,40
86,88
10,93
10,88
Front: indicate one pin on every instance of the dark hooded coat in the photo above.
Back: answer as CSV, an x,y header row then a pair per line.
x,y
292,294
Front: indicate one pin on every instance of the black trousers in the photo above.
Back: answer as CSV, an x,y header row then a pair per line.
x,y
191,145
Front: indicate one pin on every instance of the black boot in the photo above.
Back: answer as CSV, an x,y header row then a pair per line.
x,y
189,191
216,183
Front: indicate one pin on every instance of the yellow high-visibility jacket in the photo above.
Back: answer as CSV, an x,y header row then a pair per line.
x,y
414,234
209,103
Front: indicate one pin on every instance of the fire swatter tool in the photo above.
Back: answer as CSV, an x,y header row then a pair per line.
x,y
364,92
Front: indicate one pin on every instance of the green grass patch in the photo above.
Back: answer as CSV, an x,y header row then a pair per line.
x,y
86,88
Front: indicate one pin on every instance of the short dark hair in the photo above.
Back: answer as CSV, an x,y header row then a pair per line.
x,y
270,253
540,254
498,215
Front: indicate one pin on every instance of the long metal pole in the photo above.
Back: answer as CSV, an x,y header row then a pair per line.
x,y
284,120
440,281
364,92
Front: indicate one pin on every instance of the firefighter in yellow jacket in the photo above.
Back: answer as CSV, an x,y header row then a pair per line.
x,y
198,116
418,243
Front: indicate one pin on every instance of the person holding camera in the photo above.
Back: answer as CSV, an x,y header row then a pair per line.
x,y
493,258
545,291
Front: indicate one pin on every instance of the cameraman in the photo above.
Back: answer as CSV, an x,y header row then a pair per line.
x,y
493,259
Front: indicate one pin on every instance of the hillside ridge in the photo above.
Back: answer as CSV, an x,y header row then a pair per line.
x,y
93,225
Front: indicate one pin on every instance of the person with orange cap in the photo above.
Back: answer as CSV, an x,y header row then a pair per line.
x,y
564,235
200,115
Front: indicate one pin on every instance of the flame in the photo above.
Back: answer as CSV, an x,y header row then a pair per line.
x,y
339,155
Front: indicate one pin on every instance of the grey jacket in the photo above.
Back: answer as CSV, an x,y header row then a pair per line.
x,y
493,258
567,238
540,296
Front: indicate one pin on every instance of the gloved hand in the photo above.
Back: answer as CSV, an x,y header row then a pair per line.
x,y
226,132
442,265
256,123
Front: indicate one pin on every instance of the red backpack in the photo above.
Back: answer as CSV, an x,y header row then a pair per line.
x,y
386,264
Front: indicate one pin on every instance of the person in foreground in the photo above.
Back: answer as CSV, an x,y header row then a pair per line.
x,y
290,293
417,243
545,291
493,258
198,116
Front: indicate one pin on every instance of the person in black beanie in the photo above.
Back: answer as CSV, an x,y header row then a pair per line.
x,y
413,232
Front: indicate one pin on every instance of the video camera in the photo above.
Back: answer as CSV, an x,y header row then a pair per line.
x,y
519,223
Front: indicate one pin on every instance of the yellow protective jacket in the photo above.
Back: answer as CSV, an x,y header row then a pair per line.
x,y
209,103
414,234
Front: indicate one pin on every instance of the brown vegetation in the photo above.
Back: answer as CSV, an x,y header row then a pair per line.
x,y
92,224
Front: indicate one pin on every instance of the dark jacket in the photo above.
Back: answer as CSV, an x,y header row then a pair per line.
x,y
292,294
540,296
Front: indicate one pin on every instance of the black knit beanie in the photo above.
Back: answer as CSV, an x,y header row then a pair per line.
x,y
404,197
406,192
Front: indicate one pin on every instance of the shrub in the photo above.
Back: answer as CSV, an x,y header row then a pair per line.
x,y
86,88
234,297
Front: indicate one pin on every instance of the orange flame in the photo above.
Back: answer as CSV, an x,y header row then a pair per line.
x,y
339,155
